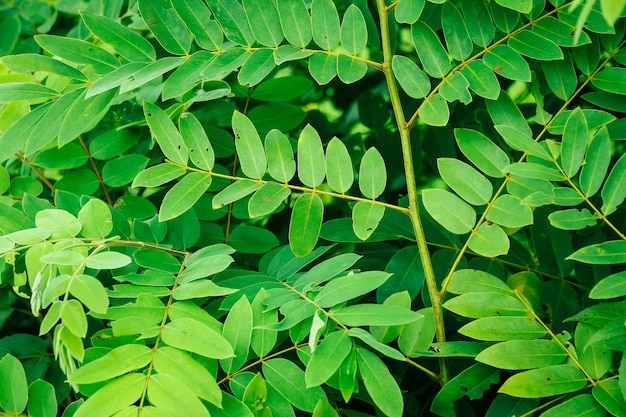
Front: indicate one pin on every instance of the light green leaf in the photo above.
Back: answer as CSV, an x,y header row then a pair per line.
x,y
609,395
504,112
468,183
83,115
596,164
323,67
412,79
119,361
189,73
63,258
535,46
354,30
478,21
14,395
612,286
372,174
96,219
611,80
289,380
167,136
267,199
74,318
611,252
522,354
503,328
182,196
79,52
486,304
455,87
174,397
108,260
189,372
280,160
482,79
249,147
90,291
574,142
489,240
197,17
380,384
455,32
60,223
25,237
237,331
535,171
324,409
200,289
124,41
234,192
482,152
371,341
434,111
233,20
544,382
310,153
522,142
339,170
158,175
572,219
24,63
614,190
325,24
351,286
166,26
432,55
25,91
473,280
113,397
409,11
264,22
519,6
231,407
263,338
196,337
200,150
295,21
327,358
365,218
122,170
508,211
350,69
581,405
454,214
42,400
595,358
257,67
375,315
306,223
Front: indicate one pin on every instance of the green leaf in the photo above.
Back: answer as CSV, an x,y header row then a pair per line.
x,y
196,337
233,20
200,150
289,380
280,160
522,142
489,240
310,153
167,136
60,223
238,332
596,164
350,69
434,111
535,46
295,21
482,152
504,112
455,32
339,170
486,304
478,21
354,30
574,142
264,22
65,258
306,223
505,61
470,280
234,192
572,219
455,87
189,372
167,393
24,63
519,6
124,41
409,11
325,24
267,199
611,80
352,286
158,175
249,147
257,67
365,218
581,405
323,67
482,79
454,214
121,171
612,286
79,52
561,77
380,384
503,328
544,382
96,219
372,174
25,91
468,183
113,397
522,354
327,358
610,252
42,400
375,315
609,395
201,289
14,395
197,17
90,291
182,196
74,318
508,211
412,79
535,171
372,342
595,358
166,26
119,361
83,115
432,55
108,260
614,190
188,74
231,407
324,409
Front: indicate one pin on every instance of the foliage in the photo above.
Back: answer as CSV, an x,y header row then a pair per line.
x,y
255,208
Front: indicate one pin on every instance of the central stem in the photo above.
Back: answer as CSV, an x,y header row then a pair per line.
x,y
405,140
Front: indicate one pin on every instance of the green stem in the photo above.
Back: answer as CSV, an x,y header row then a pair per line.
x,y
405,139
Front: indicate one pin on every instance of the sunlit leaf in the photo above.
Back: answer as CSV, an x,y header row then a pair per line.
x,y
182,196
544,382
166,26
433,56
167,136
249,147
289,380
454,214
306,222
379,383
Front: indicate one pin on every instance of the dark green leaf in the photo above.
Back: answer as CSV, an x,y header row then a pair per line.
x,y
327,358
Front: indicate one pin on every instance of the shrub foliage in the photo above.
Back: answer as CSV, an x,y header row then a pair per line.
x,y
289,207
